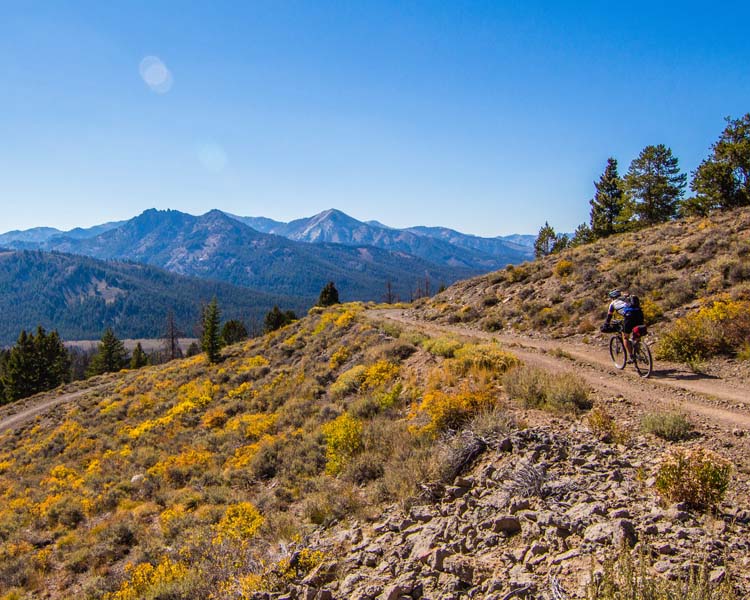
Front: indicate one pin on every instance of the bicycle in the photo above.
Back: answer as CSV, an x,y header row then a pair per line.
x,y
641,355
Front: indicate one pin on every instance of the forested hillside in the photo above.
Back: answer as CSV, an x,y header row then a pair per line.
x,y
80,297
216,246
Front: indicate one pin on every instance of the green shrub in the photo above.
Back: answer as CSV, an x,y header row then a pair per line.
x,y
442,346
698,477
670,426
483,356
348,382
625,577
537,388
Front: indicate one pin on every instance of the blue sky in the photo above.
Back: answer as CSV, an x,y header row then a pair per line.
x,y
489,117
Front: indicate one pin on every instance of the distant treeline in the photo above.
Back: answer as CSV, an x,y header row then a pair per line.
x,y
80,297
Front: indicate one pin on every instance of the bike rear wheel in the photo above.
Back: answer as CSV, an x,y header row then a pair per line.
x,y
617,352
644,364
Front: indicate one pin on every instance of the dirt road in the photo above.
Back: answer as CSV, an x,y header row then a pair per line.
x,y
719,401
18,413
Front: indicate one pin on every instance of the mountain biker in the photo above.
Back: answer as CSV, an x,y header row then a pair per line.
x,y
629,307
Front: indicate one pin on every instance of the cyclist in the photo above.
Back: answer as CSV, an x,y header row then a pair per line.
x,y
630,308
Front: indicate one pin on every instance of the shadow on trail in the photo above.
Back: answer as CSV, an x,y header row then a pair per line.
x,y
678,375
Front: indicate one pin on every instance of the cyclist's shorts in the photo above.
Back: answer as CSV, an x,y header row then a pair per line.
x,y
632,320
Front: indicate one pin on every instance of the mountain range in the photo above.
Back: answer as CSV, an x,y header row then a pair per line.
x,y
295,258
275,263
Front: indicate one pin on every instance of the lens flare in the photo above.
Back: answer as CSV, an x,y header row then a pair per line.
x,y
212,156
155,74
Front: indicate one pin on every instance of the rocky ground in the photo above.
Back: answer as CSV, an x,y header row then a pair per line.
x,y
538,516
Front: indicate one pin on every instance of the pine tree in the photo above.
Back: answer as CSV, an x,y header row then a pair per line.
x,y
233,331
21,368
110,357
276,319
210,336
607,203
329,295
582,235
545,241
722,180
53,359
655,184
139,358
36,363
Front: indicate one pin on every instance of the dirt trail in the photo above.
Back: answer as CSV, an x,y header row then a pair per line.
x,y
20,412
714,399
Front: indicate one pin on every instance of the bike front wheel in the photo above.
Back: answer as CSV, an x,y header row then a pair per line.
x,y
644,364
617,352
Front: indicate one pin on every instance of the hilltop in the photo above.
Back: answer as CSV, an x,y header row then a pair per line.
x,y
674,268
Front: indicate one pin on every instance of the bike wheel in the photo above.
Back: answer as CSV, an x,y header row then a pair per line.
x,y
617,351
642,359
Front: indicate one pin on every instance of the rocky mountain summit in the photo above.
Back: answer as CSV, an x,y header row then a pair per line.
x,y
540,515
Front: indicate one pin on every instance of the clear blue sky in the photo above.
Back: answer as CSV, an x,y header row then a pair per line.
x,y
489,117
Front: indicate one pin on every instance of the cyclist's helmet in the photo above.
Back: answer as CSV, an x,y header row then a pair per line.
x,y
615,294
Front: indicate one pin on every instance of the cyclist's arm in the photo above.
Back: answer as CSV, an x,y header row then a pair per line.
x,y
610,312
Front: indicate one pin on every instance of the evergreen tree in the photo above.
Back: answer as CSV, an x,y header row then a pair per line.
x,y
53,359
193,349
138,358
582,235
276,319
110,357
545,241
655,184
210,336
561,242
607,203
723,179
329,295
233,331
21,368
36,363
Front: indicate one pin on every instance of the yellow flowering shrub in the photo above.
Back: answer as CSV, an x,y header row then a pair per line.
x,y
378,375
145,577
451,409
244,455
182,466
719,328
251,426
339,357
62,478
214,418
239,523
343,438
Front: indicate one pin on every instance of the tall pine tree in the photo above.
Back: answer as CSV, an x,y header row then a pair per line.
x,y
36,363
723,179
607,203
329,295
211,335
110,357
545,240
655,184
